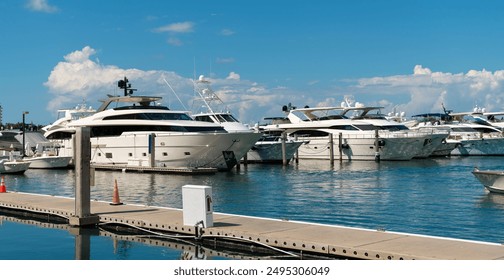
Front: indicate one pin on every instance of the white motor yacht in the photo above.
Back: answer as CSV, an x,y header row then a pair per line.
x,y
60,133
470,138
138,131
355,131
210,108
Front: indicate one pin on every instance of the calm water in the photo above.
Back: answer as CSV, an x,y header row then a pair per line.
x,y
430,196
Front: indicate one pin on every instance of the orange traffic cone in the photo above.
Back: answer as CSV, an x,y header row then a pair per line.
x,y
3,188
115,197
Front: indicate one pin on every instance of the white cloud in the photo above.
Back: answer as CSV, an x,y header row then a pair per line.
x,y
80,56
41,6
179,27
233,76
227,32
424,91
81,76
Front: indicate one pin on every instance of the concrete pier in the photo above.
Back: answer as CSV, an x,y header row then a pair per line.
x,y
325,240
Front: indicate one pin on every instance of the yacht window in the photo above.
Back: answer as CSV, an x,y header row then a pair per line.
x,y
463,129
332,117
220,118
393,127
108,155
366,127
116,130
486,129
343,127
309,133
60,135
228,118
151,116
204,119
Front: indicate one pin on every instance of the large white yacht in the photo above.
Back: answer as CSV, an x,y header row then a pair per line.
x,y
208,107
359,133
471,138
138,131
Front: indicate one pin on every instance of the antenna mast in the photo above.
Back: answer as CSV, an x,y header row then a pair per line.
x,y
123,84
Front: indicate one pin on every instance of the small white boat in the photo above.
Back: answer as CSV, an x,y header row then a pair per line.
x,y
491,179
48,160
42,153
13,166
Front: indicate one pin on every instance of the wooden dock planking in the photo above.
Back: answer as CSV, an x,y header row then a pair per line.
x,y
299,236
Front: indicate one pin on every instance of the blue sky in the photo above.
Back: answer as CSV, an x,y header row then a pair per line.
x,y
409,56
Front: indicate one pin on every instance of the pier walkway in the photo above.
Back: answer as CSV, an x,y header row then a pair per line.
x,y
327,240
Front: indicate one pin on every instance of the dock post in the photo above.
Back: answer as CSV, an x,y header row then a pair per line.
x,y
245,159
83,215
340,146
152,150
284,156
331,148
297,150
377,146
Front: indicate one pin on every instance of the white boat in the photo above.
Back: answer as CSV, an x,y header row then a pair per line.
x,y
491,180
42,153
45,156
13,166
470,138
65,116
61,134
355,131
137,131
210,108
480,115
10,165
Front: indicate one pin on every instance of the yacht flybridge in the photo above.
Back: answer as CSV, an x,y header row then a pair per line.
x,y
138,131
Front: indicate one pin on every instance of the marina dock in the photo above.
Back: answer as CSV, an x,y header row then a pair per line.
x,y
298,237
156,169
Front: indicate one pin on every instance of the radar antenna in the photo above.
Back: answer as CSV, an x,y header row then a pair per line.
x,y
123,84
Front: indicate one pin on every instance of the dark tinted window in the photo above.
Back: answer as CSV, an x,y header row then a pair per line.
x,y
116,130
151,116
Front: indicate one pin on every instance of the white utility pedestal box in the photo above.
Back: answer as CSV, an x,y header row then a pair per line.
x,y
197,205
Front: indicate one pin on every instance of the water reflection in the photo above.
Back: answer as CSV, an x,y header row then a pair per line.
x,y
106,243
428,196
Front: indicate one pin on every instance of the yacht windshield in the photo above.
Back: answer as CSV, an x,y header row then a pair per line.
x,y
226,118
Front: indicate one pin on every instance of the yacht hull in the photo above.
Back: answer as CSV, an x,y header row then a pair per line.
x,y
13,167
271,151
492,180
445,149
363,147
181,150
480,147
49,162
